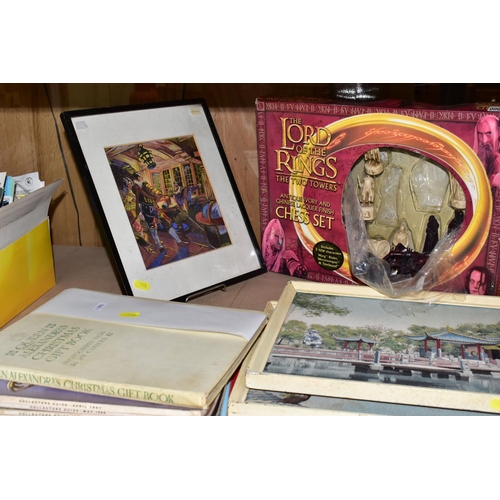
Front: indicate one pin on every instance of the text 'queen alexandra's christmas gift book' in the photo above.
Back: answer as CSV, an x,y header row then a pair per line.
x,y
434,349
129,347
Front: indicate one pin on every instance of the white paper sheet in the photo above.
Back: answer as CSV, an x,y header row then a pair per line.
x,y
101,306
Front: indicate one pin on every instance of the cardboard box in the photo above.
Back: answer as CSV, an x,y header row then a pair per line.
x,y
309,150
27,269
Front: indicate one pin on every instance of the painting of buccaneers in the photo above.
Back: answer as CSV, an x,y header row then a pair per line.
x,y
168,198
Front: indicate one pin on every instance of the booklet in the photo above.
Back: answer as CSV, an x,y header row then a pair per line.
x,y
128,347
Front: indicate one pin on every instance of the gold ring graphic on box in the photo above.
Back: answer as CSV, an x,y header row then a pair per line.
x,y
392,130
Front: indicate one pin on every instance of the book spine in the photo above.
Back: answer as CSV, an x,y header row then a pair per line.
x,y
19,412
102,388
3,176
8,194
89,408
241,409
262,163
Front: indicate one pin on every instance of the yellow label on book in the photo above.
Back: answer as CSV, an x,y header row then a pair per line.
x,y
142,285
130,314
495,404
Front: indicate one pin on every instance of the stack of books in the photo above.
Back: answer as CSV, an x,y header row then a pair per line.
x,y
20,399
91,353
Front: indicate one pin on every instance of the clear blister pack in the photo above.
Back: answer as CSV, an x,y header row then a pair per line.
x,y
403,213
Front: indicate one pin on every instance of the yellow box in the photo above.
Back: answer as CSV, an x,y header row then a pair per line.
x,y
26,271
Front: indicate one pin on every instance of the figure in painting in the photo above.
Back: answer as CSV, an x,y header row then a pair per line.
x,y
210,219
147,203
186,199
146,218
141,237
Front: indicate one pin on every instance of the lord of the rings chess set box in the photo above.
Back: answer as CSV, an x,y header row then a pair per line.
x,y
400,198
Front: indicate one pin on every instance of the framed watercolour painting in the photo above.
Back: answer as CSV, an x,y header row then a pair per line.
x,y
163,190
435,350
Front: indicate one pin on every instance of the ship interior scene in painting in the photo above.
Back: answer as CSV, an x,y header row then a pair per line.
x,y
386,341
168,198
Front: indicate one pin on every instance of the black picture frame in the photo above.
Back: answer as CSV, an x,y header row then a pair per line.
x,y
162,188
